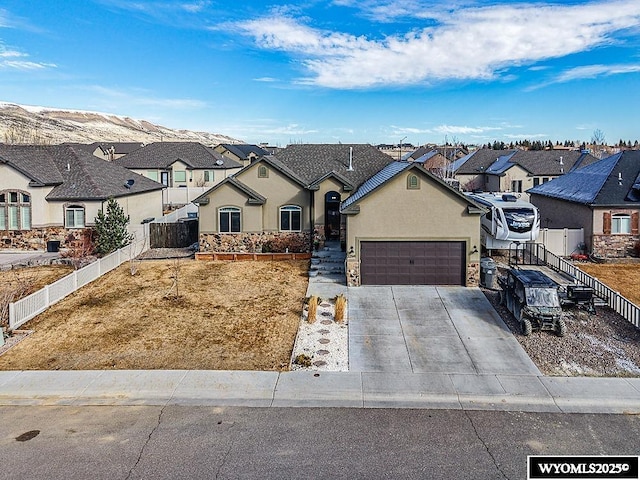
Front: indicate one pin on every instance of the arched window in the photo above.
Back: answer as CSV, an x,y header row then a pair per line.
x,y
621,223
263,171
290,218
74,216
15,210
413,183
229,220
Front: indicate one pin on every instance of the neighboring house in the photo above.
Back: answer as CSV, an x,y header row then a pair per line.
x,y
516,170
470,169
109,150
180,164
242,153
602,198
405,226
288,201
48,192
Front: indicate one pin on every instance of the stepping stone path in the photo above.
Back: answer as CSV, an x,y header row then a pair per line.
x,y
325,347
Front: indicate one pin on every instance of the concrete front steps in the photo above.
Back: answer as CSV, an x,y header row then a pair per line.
x,y
327,264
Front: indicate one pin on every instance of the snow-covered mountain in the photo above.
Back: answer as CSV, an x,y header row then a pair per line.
x,y
42,125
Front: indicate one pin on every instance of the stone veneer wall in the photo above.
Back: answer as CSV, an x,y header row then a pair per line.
x,y
276,242
353,273
473,274
614,246
36,239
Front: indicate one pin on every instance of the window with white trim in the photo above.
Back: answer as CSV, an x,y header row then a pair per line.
x,y
413,182
290,218
621,223
74,216
180,176
15,210
263,171
229,220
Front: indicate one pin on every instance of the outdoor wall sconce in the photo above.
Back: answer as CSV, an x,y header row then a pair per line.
x,y
473,250
352,252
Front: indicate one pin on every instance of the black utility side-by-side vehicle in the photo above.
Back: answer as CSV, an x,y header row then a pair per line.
x,y
532,298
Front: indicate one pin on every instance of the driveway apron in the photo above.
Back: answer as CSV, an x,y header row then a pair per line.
x,y
428,329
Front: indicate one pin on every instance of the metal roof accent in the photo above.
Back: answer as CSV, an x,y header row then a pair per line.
x,y
580,186
388,172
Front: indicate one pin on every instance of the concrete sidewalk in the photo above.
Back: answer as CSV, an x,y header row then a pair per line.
x,y
527,393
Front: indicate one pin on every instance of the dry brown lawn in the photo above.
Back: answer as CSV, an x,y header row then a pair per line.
x,y
228,315
623,278
33,277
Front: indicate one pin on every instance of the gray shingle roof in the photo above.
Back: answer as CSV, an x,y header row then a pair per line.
x,y
313,161
551,162
163,154
244,151
608,182
74,172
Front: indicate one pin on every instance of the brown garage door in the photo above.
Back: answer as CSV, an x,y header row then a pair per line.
x,y
412,263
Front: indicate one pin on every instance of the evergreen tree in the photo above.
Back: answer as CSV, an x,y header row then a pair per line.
x,y
111,229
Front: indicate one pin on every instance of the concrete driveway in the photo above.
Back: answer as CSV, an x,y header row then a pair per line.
x,y
427,329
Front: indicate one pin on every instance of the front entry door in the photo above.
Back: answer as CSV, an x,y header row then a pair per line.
x,y
332,216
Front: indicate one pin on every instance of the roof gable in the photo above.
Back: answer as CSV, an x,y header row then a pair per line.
x,y
391,171
254,198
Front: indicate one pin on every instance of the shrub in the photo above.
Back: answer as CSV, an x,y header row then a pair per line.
x,y
340,308
313,309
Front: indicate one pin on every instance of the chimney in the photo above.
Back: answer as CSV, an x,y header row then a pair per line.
x,y
350,169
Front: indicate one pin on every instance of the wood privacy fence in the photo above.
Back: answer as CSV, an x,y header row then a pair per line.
x,y
617,302
173,235
23,310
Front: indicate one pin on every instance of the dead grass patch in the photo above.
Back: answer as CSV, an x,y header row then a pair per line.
x,y
623,278
228,315
37,277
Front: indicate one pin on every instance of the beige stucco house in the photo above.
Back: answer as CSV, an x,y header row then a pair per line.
x,y
406,226
292,202
602,198
289,202
50,192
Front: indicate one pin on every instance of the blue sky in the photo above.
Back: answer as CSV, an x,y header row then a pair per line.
x,y
354,71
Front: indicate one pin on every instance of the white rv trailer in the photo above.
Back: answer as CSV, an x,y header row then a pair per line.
x,y
508,220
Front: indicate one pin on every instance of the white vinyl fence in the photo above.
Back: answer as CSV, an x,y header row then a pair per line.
x,y
177,214
627,309
182,195
561,241
25,309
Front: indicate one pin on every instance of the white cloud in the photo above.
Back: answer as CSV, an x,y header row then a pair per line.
x,y
142,98
265,79
463,130
526,136
11,53
25,65
593,71
469,43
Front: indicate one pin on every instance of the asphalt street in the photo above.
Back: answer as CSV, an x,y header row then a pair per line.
x,y
275,443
